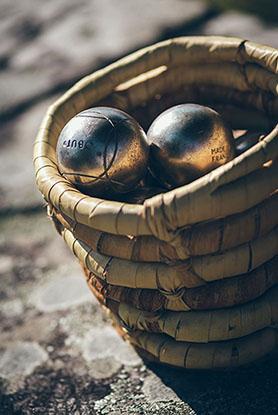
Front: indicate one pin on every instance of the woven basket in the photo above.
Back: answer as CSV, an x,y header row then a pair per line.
x,y
189,274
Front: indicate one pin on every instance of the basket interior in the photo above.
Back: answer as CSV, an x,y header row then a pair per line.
x,y
241,109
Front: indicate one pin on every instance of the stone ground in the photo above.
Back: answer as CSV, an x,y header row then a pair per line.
x,y
58,352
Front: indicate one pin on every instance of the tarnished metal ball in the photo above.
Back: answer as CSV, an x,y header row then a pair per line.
x,y
247,140
103,150
186,142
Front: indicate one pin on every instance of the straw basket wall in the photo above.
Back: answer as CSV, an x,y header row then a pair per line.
x,y
189,274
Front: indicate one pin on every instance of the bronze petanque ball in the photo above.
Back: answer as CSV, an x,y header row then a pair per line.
x,y
103,150
186,142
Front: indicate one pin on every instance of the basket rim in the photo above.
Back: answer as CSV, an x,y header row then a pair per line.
x,y
123,218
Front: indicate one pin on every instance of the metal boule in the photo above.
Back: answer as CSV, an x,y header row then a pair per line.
x,y
186,142
103,150
247,140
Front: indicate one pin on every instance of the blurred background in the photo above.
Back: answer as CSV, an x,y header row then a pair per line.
x,y
49,320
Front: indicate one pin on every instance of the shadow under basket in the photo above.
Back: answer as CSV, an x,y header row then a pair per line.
x,y
190,275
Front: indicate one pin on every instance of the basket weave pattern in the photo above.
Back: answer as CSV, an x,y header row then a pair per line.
x,y
189,274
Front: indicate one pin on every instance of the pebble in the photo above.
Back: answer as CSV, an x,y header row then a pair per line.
x,y
20,359
6,264
61,293
104,368
12,308
103,342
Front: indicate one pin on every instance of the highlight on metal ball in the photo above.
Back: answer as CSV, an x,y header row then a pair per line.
x,y
186,142
103,150
247,140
